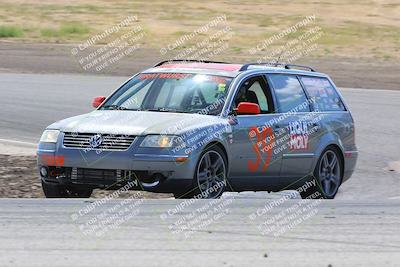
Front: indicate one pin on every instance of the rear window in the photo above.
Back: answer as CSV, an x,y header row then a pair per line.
x,y
289,93
323,94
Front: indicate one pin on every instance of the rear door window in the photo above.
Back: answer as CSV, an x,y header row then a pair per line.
x,y
322,94
289,93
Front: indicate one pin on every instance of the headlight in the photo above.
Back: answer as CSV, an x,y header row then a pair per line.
x,y
50,136
162,141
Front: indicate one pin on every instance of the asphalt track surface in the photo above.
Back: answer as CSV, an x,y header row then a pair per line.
x,y
358,228
44,232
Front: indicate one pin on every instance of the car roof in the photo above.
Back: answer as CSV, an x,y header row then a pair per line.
x,y
228,69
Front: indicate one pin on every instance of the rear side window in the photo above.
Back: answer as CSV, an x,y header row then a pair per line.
x,y
323,94
289,93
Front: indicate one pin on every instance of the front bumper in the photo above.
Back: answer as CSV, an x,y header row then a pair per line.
x,y
64,163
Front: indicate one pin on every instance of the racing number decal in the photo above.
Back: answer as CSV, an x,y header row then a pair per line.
x,y
261,137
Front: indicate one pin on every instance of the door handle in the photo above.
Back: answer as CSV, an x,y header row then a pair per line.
x,y
278,127
316,125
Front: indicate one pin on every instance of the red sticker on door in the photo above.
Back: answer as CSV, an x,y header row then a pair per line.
x,y
265,137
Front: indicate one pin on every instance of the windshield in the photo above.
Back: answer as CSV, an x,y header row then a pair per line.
x,y
172,92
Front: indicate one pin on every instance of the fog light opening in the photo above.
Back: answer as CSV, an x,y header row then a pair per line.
x,y
43,172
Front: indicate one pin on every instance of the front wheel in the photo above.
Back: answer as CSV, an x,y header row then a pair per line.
x,y
210,175
327,176
61,191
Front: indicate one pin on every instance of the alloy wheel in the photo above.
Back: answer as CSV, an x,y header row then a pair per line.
x,y
211,174
329,173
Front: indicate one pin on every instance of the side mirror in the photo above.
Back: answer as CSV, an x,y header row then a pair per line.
x,y
248,108
97,101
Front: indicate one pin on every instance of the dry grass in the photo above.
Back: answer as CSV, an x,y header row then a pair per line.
x,y
351,28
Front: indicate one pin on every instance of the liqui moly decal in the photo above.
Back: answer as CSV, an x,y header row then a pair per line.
x,y
298,133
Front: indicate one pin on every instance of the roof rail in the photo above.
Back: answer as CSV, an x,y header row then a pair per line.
x,y
294,66
276,64
247,65
188,60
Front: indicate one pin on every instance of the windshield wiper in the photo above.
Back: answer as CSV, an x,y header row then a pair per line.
x,y
114,107
164,110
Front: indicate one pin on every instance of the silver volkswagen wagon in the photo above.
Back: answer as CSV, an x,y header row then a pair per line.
x,y
199,128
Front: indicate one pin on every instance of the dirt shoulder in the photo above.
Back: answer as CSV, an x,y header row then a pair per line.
x,y
57,58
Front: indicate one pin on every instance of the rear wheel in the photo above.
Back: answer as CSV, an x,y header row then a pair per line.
x,y
61,191
327,176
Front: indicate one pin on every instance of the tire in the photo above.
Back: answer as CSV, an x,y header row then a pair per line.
x,y
61,191
184,195
209,180
327,176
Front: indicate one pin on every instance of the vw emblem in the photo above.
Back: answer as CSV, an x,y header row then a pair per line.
x,y
95,140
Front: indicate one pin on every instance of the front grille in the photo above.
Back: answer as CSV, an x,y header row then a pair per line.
x,y
109,141
105,175
89,174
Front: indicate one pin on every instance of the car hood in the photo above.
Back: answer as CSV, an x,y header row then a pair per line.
x,y
135,122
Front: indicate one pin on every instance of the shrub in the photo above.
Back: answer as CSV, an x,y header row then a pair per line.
x,y
10,31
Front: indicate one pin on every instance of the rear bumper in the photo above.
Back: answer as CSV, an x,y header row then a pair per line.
x,y
350,161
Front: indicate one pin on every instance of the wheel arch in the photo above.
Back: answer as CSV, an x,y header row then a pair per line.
x,y
326,140
221,146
